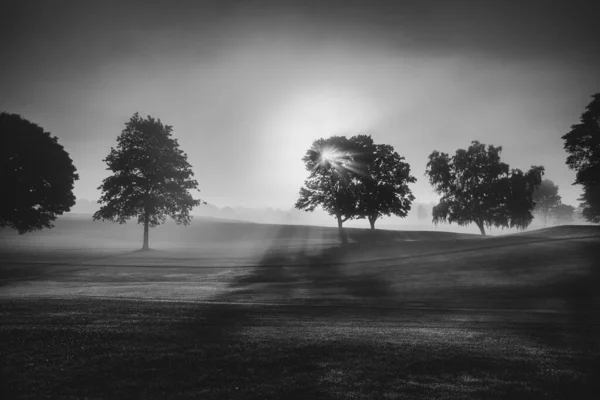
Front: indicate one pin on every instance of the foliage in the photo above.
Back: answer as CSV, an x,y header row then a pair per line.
x,y
151,177
384,188
476,187
335,165
563,213
582,144
546,198
37,175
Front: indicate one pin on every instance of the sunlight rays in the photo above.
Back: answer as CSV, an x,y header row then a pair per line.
x,y
338,161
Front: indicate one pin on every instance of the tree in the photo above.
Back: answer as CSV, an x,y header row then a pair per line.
x,y
546,198
151,177
335,165
563,213
384,188
582,144
37,175
421,213
476,187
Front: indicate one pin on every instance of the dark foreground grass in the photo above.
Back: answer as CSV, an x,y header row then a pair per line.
x,y
507,317
99,349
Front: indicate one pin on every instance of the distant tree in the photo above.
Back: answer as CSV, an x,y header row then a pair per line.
x,y
578,213
335,166
421,213
476,187
151,177
228,212
384,187
582,144
563,213
37,176
546,198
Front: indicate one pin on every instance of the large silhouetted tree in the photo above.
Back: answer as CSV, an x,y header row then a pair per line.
x,y
583,145
476,187
151,177
546,197
384,188
37,175
335,166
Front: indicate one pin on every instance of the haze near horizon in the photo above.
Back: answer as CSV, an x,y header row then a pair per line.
x,y
248,86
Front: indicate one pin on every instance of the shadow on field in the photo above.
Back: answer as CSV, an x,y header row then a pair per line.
x,y
224,349
290,271
316,276
295,273
287,267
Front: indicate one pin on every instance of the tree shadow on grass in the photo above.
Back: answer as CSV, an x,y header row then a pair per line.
x,y
292,273
305,275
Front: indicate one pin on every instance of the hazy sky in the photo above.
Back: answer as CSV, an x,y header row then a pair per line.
x,y
248,85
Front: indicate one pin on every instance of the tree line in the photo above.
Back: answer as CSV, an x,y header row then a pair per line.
x,y
350,178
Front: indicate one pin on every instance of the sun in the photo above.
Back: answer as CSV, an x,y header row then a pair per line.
x,y
328,155
331,157
309,114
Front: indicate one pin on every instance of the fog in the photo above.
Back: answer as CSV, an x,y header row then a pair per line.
x,y
255,299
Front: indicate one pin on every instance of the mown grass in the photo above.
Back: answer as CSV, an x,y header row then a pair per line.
x,y
393,315
124,349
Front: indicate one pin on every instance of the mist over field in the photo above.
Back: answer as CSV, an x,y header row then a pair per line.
x,y
85,209
276,306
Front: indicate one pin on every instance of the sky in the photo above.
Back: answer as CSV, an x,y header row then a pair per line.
x,y
248,85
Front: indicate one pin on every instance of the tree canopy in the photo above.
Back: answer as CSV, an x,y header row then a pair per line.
x,y
151,177
546,198
353,178
582,144
384,187
477,187
335,165
37,175
563,213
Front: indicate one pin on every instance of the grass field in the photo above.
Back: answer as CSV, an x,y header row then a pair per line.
x,y
237,310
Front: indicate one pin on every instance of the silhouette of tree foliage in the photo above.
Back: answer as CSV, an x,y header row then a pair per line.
x,y
476,187
384,187
582,144
336,165
151,177
355,178
546,197
37,175
563,213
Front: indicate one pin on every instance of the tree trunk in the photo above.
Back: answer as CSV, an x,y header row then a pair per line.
x,y
145,246
341,229
372,222
481,228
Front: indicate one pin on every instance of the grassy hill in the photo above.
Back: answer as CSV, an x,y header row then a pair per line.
x,y
240,310
256,262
